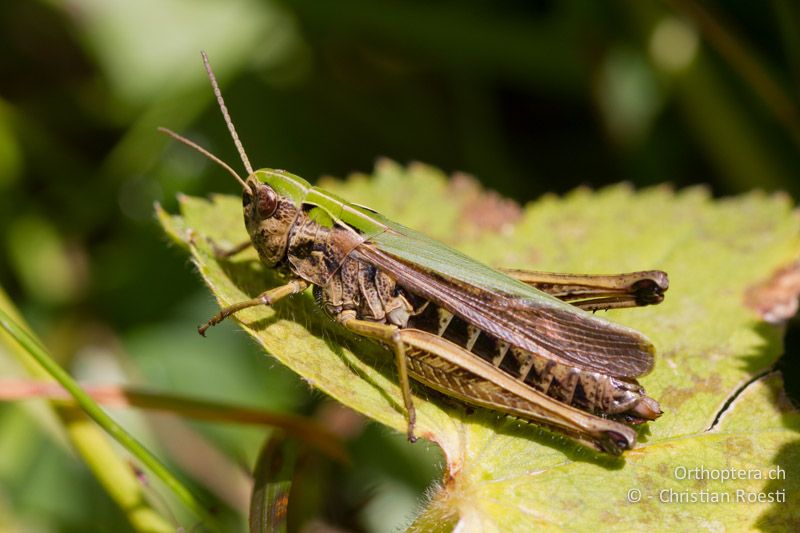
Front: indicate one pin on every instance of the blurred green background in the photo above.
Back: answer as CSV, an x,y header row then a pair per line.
x,y
529,96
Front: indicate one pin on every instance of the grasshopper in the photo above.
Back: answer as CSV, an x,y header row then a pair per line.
x,y
523,343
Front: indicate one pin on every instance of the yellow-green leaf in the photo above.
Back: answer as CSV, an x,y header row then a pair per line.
x,y
722,410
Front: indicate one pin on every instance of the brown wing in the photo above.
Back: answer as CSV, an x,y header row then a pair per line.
x,y
569,336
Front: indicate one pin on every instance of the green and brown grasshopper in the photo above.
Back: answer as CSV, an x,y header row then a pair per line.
x,y
519,342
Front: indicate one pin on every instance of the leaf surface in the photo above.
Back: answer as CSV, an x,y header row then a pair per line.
x,y
722,409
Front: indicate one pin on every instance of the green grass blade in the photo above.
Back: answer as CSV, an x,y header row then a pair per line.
x,y
85,402
92,445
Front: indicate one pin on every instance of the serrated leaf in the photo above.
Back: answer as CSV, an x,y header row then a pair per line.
x,y
503,474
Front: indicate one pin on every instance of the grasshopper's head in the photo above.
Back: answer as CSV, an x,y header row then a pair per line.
x,y
268,217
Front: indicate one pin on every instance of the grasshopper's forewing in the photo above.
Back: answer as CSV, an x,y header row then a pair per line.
x,y
569,335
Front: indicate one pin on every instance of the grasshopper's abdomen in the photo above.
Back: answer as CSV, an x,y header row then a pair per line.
x,y
590,391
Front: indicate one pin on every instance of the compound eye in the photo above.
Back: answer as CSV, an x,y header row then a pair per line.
x,y
267,201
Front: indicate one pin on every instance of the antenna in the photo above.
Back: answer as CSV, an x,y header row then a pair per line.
x,y
212,157
225,114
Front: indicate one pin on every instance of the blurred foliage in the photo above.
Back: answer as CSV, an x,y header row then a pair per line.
x,y
529,96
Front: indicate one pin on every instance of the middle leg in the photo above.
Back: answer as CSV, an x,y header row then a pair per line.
x,y
390,335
